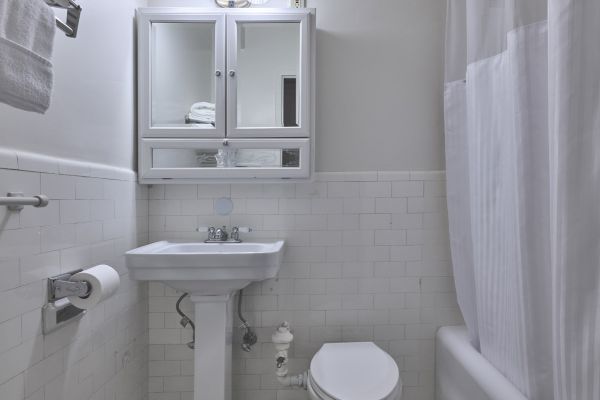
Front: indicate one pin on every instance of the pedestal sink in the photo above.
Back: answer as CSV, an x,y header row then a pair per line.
x,y
210,273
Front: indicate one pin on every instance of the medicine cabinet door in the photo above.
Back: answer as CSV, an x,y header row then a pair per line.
x,y
182,75
207,159
268,77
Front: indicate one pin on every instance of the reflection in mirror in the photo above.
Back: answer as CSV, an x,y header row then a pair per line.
x,y
268,61
183,74
290,103
184,158
226,158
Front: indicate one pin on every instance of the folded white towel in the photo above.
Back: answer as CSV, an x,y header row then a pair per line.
x,y
199,119
202,105
203,113
27,30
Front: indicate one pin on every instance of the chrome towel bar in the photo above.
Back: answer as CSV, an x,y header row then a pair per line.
x,y
73,14
15,201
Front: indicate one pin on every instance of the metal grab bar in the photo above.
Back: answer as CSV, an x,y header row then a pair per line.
x,y
15,201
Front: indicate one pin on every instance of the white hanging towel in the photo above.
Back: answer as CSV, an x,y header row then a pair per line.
x,y
27,30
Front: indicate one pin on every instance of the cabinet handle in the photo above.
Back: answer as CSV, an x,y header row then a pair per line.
x,y
232,73
218,73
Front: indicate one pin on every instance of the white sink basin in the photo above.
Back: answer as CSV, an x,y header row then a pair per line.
x,y
209,272
203,269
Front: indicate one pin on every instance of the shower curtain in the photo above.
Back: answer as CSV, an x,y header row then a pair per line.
x,y
522,102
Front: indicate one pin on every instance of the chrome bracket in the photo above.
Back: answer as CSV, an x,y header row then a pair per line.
x,y
15,207
58,311
73,15
60,287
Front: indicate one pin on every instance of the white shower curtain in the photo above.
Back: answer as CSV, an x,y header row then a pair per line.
x,y
523,165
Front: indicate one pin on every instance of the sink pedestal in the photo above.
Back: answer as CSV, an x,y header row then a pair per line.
x,y
212,353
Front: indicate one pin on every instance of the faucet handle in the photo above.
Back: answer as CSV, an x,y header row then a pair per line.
x,y
210,230
235,232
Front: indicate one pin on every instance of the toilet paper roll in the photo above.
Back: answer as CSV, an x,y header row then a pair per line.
x,y
104,282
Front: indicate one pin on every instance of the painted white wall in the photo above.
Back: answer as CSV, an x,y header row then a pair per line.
x,y
379,82
92,115
379,93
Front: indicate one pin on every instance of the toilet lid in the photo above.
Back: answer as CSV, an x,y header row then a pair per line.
x,y
354,371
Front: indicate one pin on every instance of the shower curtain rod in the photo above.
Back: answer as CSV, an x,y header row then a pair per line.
x,y
73,14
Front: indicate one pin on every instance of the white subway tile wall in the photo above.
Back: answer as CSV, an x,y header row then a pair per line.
x,y
367,259
90,220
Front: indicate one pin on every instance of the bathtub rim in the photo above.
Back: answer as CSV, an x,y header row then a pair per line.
x,y
453,346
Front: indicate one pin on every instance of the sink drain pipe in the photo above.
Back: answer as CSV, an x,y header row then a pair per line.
x,y
185,321
249,339
282,339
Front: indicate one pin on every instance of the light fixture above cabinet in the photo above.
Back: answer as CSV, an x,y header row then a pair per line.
x,y
240,3
225,95
233,3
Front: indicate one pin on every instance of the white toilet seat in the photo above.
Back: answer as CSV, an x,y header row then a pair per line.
x,y
316,393
353,371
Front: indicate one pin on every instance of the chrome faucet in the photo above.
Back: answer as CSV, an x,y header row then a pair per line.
x,y
220,235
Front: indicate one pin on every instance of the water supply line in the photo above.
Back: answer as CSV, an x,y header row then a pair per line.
x,y
249,338
282,339
185,321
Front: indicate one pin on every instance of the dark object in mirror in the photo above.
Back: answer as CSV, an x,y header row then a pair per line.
x,y
289,101
290,158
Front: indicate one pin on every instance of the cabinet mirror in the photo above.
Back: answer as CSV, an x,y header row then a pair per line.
x,y
268,63
183,74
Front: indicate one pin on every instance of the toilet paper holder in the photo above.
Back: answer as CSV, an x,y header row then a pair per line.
x,y
61,286
58,311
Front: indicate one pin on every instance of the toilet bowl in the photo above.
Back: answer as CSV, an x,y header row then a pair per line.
x,y
353,371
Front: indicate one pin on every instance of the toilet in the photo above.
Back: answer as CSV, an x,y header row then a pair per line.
x,y
353,371
340,371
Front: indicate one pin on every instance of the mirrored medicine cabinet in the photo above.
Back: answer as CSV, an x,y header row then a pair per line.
x,y
225,95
